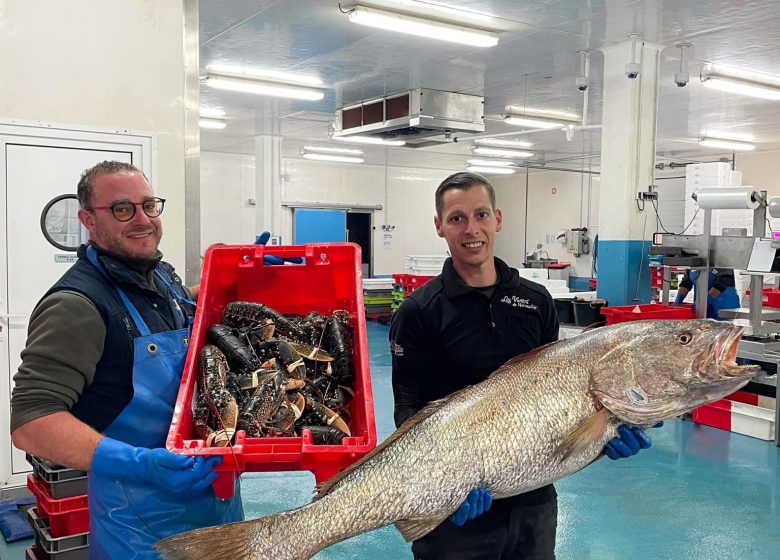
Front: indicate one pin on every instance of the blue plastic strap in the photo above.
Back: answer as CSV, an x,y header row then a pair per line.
x,y
139,322
178,296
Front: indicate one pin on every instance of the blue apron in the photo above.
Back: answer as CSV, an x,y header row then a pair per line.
x,y
728,298
128,518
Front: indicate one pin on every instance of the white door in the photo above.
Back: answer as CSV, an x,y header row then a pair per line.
x,y
35,170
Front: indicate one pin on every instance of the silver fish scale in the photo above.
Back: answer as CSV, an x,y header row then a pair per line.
x,y
429,471
504,433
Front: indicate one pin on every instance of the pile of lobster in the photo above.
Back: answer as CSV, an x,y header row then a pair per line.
x,y
275,375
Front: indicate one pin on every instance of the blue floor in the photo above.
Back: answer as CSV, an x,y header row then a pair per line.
x,y
698,494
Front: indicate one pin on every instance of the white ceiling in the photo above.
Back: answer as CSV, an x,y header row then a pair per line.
x,y
535,62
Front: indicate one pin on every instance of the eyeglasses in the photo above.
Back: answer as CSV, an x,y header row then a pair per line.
x,y
124,210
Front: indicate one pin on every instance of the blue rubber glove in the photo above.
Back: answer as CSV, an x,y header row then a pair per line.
x,y
630,441
116,460
262,239
680,298
477,502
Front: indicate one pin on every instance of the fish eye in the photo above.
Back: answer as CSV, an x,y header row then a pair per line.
x,y
685,338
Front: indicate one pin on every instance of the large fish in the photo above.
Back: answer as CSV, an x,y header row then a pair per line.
x,y
541,416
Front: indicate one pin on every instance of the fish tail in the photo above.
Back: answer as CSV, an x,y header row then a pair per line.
x,y
259,539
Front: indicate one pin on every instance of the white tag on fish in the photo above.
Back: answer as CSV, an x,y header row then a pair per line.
x,y
637,396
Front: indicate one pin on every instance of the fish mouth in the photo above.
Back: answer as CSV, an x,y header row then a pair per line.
x,y
723,355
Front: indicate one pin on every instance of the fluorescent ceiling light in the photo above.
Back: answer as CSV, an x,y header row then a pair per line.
x,y
490,170
504,142
332,157
741,82
422,27
211,112
498,152
331,150
490,162
259,74
535,122
369,140
258,87
211,123
727,144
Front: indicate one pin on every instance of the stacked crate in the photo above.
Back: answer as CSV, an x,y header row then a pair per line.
x,y
424,265
405,284
60,518
377,297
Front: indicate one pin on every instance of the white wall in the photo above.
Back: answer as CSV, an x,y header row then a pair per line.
x,y
760,170
227,182
558,200
404,193
411,207
112,65
510,198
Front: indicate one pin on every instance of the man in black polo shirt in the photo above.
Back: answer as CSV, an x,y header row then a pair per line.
x,y
453,332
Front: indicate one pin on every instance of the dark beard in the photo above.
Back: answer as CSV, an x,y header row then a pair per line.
x,y
141,265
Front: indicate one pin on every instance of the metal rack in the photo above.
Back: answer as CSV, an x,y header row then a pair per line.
x,y
702,252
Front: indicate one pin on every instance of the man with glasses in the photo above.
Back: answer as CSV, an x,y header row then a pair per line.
x,y
101,371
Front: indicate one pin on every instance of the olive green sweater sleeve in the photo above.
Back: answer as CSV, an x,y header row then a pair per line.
x,y
64,343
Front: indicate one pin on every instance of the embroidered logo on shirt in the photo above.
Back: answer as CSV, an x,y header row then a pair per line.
x,y
522,303
396,349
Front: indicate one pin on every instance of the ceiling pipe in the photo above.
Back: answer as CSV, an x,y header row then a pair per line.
x,y
522,133
545,168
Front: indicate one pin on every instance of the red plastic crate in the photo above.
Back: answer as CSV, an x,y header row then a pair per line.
x,y
624,313
771,297
742,413
410,282
67,516
330,279
716,414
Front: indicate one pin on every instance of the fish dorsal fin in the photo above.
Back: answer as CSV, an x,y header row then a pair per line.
x,y
418,527
422,414
523,357
583,435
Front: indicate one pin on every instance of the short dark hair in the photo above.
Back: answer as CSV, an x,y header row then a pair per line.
x,y
463,180
87,182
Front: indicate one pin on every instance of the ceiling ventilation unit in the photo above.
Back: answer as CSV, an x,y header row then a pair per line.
x,y
417,113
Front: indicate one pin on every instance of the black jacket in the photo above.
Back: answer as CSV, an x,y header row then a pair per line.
x,y
446,336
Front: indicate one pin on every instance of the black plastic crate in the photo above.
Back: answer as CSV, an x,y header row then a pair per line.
x,y
71,547
62,482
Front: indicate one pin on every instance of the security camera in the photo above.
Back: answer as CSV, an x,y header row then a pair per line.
x,y
582,83
632,70
681,77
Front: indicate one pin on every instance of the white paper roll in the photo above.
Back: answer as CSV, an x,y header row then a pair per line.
x,y
735,198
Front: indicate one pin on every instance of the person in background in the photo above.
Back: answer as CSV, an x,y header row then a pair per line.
x,y
722,293
101,371
453,332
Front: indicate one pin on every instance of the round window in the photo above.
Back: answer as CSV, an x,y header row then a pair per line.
x,y
60,222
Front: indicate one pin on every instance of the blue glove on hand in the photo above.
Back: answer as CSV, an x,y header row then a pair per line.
x,y
477,502
117,460
262,239
680,298
630,441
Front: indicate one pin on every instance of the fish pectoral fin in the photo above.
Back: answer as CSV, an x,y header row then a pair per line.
x,y
583,435
418,527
